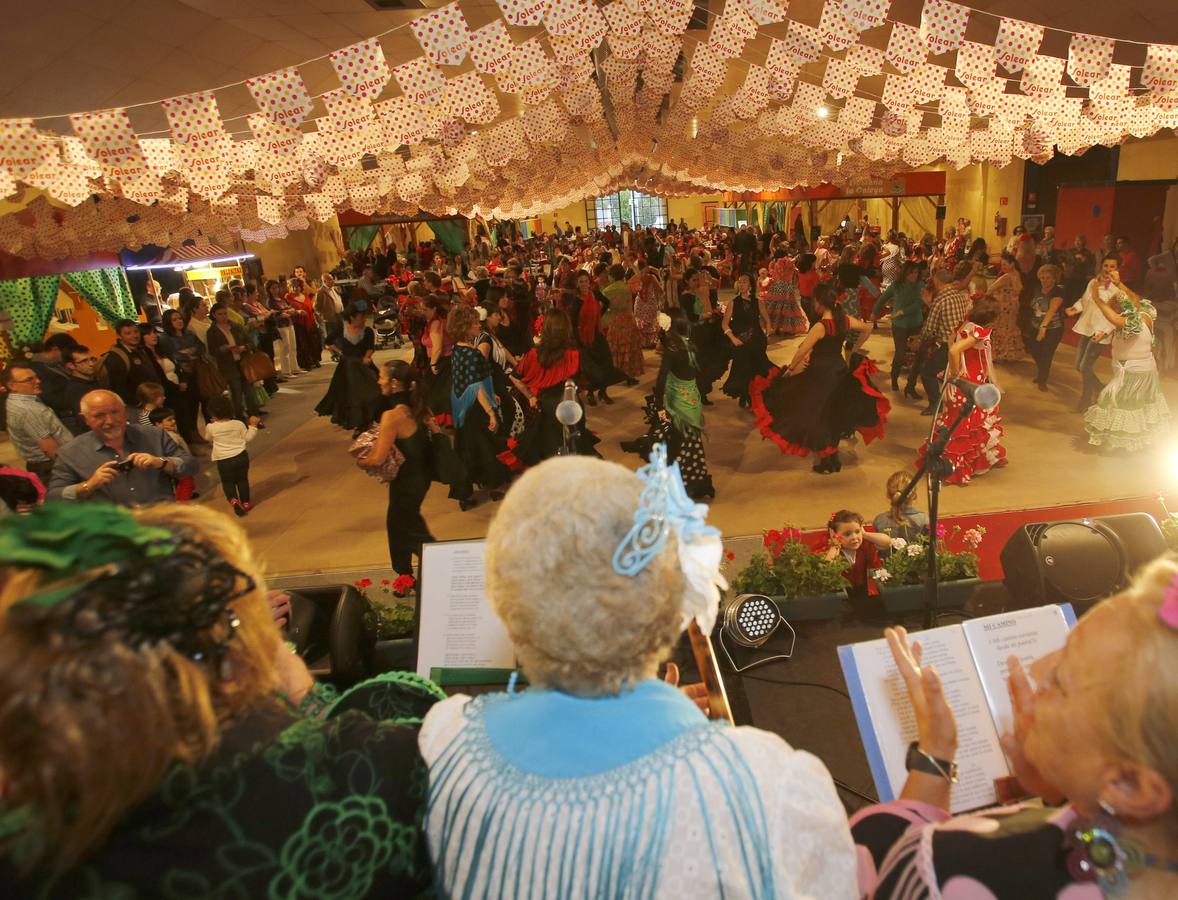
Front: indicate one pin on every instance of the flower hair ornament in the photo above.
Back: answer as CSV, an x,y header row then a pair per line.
x,y
113,578
664,507
1168,611
664,321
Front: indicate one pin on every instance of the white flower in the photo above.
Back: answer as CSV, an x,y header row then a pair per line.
x,y
899,543
881,575
664,321
700,557
915,549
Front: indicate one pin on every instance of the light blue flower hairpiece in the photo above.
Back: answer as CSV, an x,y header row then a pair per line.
x,y
664,506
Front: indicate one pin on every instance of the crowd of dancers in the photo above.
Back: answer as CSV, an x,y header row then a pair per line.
x,y
494,354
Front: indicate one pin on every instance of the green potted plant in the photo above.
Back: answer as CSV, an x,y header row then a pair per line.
x,y
902,576
1168,523
390,613
801,582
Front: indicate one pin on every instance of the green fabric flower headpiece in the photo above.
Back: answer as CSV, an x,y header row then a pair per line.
x,y
71,539
113,577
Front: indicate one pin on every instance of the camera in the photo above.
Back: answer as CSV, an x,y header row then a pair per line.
x,y
124,465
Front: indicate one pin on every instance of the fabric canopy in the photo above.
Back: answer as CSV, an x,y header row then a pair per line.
x,y
30,301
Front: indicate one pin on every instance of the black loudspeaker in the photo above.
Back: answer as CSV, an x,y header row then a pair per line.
x,y
1078,561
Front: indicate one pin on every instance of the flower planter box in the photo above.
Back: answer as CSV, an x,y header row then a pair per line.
x,y
910,597
811,609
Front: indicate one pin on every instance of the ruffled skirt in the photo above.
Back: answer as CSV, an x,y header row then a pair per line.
x,y
1131,412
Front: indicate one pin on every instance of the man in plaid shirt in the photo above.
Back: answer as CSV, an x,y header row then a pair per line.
x,y
949,308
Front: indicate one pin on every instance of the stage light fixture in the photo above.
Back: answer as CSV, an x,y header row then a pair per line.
x,y
823,111
750,620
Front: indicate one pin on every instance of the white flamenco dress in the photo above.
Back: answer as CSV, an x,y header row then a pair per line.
x,y
1131,412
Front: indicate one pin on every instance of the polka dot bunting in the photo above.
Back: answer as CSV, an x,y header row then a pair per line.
x,y
836,31
491,47
669,16
21,149
926,83
467,97
280,139
362,68
779,63
443,35
975,63
942,25
622,21
421,82
906,48
766,12
1089,58
732,31
867,61
840,78
864,14
1016,43
803,42
111,141
524,13
1160,73
196,124
281,95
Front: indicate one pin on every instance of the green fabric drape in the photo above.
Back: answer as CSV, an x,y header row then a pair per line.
x,y
360,236
451,234
106,291
30,302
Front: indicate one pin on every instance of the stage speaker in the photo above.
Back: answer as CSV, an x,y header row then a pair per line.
x,y
1078,561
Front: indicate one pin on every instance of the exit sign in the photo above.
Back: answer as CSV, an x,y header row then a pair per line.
x,y
1003,201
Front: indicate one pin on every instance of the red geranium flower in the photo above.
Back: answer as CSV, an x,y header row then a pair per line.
x,y
772,537
728,554
404,583
364,582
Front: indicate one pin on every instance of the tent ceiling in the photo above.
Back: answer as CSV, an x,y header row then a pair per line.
x,y
70,55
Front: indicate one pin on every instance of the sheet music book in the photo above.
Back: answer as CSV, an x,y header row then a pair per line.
x,y
457,628
971,660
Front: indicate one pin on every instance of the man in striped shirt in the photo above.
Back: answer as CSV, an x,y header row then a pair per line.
x,y
949,308
34,429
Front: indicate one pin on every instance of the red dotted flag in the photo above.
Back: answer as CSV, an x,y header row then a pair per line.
x,y
942,25
491,47
443,35
524,13
906,48
834,28
281,95
201,141
421,82
110,140
21,149
975,63
362,68
1016,43
864,14
1160,73
1089,58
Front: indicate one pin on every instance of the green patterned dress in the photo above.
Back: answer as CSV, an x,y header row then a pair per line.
x,y
288,806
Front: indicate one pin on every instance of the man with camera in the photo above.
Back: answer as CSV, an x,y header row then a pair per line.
x,y
130,465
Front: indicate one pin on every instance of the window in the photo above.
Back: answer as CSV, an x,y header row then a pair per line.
x,y
629,207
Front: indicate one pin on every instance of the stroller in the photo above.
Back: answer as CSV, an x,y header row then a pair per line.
x,y
387,322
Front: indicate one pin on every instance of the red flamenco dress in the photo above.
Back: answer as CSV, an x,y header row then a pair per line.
x,y
543,436
811,411
975,446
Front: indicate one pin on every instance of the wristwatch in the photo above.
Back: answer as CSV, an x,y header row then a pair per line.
x,y
919,761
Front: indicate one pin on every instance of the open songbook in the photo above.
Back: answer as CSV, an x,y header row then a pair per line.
x,y
971,660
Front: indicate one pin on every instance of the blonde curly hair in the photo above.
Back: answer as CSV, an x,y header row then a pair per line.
x,y
577,625
88,733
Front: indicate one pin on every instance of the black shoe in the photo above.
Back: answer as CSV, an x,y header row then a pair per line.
x,y
895,382
498,494
911,394
745,403
606,398
836,464
630,382
466,505
823,466
592,399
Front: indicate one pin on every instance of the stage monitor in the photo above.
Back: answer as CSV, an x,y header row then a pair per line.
x,y
1078,561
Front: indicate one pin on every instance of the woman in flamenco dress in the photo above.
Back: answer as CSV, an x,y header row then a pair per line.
x,y
542,373
975,446
475,407
816,401
586,310
783,302
745,325
308,341
1006,338
674,412
620,327
648,299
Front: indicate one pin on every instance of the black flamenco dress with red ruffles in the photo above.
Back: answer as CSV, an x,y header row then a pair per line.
x,y
812,411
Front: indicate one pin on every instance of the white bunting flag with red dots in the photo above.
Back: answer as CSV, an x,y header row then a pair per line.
x,y
524,13
443,35
1016,43
779,63
766,12
282,96
110,140
864,14
836,31
421,82
362,68
975,63
1160,72
21,149
272,138
491,47
906,48
622,20
196,125
803,42
942,25
1089,57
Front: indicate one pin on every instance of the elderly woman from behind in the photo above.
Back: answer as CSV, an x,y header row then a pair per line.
x,y
1094,737
600,780
157,739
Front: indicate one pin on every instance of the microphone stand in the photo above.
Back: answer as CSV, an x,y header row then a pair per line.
x,y
938,468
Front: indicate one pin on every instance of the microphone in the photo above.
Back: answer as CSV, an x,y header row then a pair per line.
x,y
568,411
984,396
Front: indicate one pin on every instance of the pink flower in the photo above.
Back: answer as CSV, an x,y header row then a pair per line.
x,y
973,537
941,530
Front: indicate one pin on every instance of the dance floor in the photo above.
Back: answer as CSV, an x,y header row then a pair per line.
x,y
316,512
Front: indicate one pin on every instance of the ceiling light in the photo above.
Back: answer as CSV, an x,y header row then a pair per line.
x,y
823,111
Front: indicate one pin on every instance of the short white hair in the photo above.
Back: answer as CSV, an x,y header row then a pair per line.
x,y
99,394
